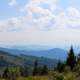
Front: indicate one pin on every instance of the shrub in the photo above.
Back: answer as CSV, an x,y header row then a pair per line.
x,y
60,77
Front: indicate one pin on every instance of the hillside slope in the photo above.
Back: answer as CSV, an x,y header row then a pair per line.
x,y
7,59
55,53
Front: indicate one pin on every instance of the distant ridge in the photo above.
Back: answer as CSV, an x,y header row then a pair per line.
x,y
55,53
7,59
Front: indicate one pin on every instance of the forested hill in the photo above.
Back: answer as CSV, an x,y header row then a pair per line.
x,y
7,59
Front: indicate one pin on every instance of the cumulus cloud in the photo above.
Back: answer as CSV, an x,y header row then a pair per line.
x,y
11,24
45,17
52,4
12,3
40,18
73,17
41,25
68,19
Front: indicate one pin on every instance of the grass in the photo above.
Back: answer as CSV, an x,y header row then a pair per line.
x,y
34,78
52,76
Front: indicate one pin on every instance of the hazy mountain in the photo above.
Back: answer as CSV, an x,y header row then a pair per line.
x,y
55,53
7,59
31,47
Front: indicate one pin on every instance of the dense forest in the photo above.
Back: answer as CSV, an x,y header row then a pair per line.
x,y
64,70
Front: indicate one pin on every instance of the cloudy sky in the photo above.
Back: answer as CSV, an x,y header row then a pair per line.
x,y
40,22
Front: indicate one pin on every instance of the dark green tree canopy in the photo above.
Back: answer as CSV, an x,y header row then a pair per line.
x,y
35,69
71,59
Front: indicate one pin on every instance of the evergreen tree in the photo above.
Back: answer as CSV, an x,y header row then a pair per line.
x,y
44,70
60,66
35,69
24,71
78,58
71,59
6,73
40,70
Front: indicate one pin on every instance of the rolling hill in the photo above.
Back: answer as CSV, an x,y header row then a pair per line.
x,y
7,59
55,53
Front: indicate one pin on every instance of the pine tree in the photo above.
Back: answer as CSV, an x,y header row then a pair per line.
x,y
71,59
40,70
44,70
35,70
6,73
60,66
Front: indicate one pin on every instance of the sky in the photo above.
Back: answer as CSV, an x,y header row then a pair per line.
x,y
40,22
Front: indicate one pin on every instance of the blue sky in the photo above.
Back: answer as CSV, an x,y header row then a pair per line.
x,y
7,11
40,22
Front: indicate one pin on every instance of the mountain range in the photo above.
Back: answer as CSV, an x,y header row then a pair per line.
x,y
24,57
8,59
55,53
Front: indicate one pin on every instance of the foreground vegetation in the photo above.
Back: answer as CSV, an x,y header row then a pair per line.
x,y
67,70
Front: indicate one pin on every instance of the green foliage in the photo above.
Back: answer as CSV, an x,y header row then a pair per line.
x,y
39,70
60,66
60,77
44,70
6,73
71,59
11,73
35,69
64,71
24,71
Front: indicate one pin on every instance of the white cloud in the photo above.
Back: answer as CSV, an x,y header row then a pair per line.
x,y
73,12
41,25
12,3
68,19
43,19
10,24
40,18
73,15
34,6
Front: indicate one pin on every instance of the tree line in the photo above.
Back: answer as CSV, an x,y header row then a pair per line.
x,y
11,73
